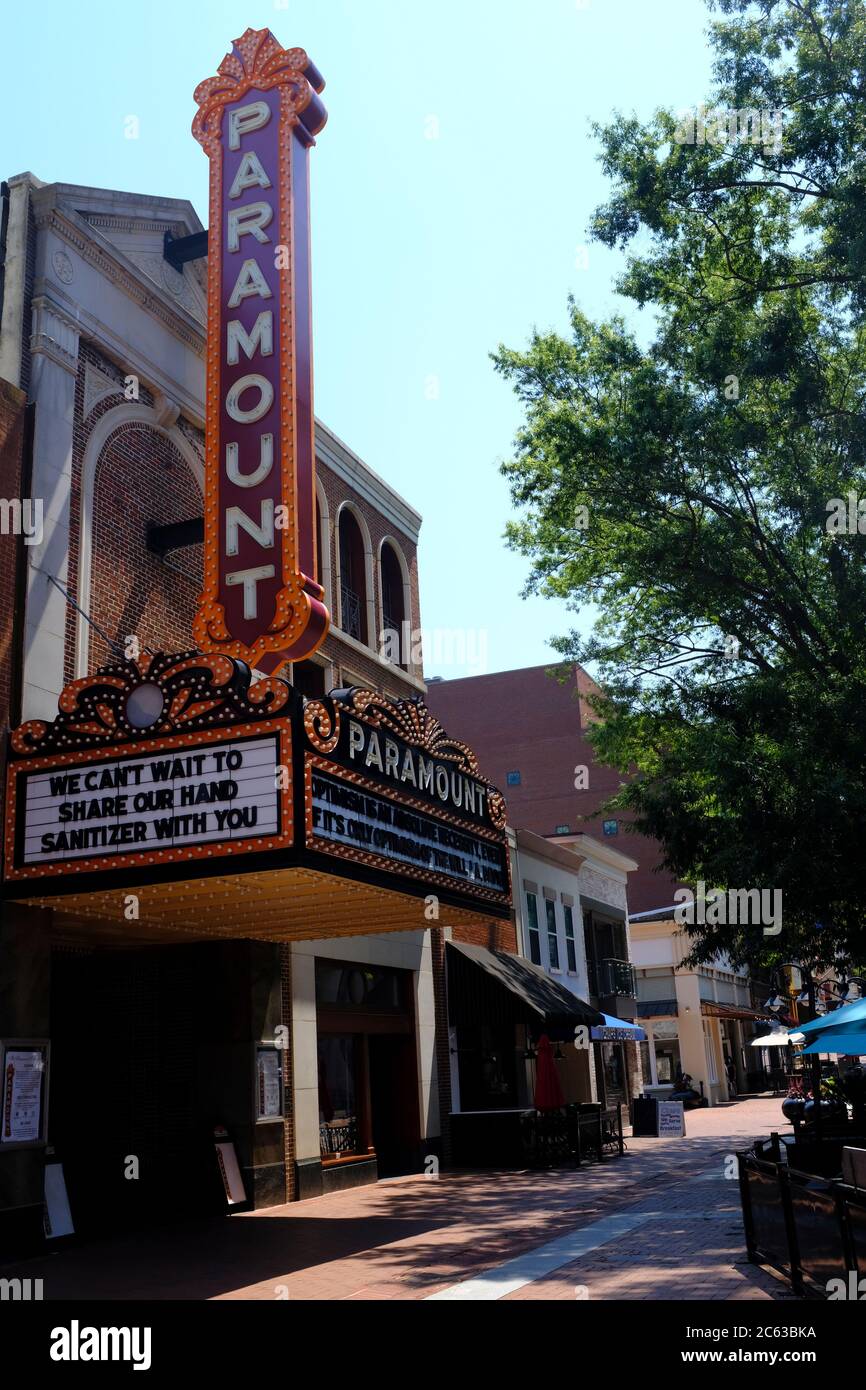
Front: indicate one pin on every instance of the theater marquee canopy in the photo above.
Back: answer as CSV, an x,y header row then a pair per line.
x,y
174,795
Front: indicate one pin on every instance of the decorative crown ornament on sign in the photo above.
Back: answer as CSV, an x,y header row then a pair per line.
x,y
150,698
257,120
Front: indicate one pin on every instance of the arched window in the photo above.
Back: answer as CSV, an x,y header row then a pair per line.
x,y
393,598
323,547
353,578
320,546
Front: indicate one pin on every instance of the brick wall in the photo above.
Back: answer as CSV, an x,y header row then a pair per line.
x,y
527,722
289,1147
141,477
494,936
344,657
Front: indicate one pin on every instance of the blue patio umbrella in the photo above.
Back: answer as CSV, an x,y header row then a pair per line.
x,y
849,1014
617,1030
847,1042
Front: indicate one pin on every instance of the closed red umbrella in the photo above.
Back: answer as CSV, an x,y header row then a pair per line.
x,y
548,1091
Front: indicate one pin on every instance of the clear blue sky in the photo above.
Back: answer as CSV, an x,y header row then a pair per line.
x,y
427,252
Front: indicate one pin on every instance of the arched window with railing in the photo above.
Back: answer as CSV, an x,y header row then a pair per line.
x,y
353,577
394,584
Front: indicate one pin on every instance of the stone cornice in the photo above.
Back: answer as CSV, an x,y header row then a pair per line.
x,y
539,848
95,249
597,852
129,224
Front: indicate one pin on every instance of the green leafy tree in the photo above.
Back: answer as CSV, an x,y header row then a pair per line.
x,y
730,587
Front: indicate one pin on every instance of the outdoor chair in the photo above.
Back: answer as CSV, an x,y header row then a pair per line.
x,y
854,1166
550,1139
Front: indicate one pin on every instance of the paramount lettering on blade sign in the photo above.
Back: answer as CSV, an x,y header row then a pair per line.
x,y
261,600
156,801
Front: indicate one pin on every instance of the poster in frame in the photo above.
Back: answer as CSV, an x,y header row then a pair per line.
x,y
24,1077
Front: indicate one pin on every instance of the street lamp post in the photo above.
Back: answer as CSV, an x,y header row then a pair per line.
x,y
816,1060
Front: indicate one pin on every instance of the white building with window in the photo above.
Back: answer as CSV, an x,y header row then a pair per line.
x,y
699,1019
567,898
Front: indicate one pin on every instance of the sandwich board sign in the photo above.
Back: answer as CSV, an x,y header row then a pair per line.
x,y
672,1119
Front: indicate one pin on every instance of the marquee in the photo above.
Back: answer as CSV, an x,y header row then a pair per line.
x,y
183,769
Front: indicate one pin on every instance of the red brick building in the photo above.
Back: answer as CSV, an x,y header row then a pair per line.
x,y
528,729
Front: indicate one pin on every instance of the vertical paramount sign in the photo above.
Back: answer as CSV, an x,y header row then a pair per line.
x,y
256,121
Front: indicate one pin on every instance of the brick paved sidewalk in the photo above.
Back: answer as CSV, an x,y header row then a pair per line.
x,y
662,1223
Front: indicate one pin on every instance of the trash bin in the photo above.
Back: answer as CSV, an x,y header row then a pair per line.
x,y
645,1119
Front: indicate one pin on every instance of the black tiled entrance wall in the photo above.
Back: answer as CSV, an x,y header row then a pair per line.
x,y
133,1042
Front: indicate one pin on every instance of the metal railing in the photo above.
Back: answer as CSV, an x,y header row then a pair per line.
x,y
350,612
612,977
571,1135
811,1229
393,625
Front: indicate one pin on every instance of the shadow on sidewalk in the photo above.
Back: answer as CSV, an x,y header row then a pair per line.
x,y
202,1259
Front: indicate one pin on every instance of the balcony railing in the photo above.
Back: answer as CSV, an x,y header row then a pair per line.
x,y
350,612
612,977
392,629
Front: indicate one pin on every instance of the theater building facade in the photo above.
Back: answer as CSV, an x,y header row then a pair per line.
x,y
226,893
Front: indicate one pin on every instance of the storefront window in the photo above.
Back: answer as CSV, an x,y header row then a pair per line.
x,y
487,1067
534,937
358,986
667,1062
666,1044
338,1116
552,942
614,1071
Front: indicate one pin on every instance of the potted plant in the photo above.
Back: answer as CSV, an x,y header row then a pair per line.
x,y
832,1102
794,1104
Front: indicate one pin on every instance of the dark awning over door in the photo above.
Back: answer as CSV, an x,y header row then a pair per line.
x,y
496,987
